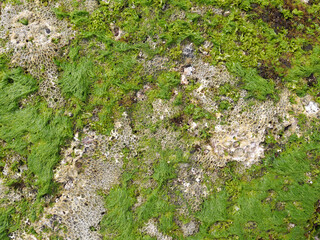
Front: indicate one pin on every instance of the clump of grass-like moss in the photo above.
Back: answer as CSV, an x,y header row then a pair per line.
x,y
267,204
34,131
269,41
124,223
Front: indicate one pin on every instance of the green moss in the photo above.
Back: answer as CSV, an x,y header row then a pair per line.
x,y
176,53
24,21
34,131
163,172
124,221
179,31
76,78
224,105
178,100
303,78
100,80
118,223
267,204
256,63
27,130
214,209
155,206
197,112
79,18
302,121
5,222
256,86
14,85
167,223
166,81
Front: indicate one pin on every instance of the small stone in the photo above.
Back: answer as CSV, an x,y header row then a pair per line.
x,y
226,13
78,152
194,125
76,136
291,225
118,125
188,51
188,71
184,80
140,96
312,108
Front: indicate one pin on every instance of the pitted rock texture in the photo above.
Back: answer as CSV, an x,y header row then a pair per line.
x,y
34,37
90,165
152,230
241,138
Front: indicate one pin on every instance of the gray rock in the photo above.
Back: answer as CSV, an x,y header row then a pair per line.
x,y
189,229
188,51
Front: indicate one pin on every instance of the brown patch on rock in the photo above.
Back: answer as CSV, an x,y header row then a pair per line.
x,y
311,80
178,121
128,100
278,22
267,71
285,62
307,47
273,17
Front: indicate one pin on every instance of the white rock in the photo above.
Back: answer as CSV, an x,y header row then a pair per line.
x,y
188,70
76,136
184,80
194,125
218,128
312,108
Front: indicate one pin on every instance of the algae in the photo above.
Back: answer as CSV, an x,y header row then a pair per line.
x,y
268,46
